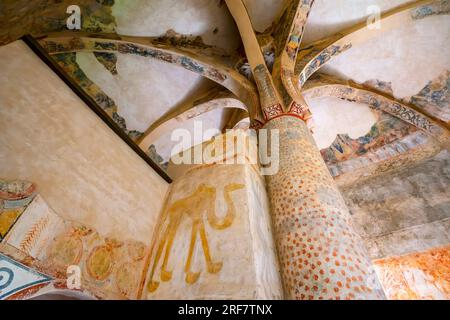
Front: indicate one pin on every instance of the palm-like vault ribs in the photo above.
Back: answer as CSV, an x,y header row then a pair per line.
x,y
275,100
277,93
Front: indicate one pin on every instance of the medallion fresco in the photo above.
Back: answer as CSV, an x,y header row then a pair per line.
x,y
110,268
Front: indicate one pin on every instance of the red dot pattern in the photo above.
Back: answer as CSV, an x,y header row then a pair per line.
x,y
321,256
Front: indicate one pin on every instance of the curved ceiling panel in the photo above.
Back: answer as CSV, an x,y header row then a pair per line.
x,y
407,57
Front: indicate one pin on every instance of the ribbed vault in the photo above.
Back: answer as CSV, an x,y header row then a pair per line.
x,y
111,33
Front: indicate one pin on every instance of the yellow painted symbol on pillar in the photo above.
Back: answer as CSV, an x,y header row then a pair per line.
x,y
202,200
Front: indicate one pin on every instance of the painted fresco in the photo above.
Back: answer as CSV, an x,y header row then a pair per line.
x,y
191,251
14,198
110,268
16,277
165,53
434,98
385,131
39,17
51,17
423,275
213,224
69,64
108,60
436,8
322,58
154,155
196,207
321,255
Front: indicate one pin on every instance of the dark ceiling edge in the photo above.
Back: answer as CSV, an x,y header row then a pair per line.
x,y
57,69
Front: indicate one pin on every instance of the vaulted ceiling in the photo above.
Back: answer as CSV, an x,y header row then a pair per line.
x,y
379,97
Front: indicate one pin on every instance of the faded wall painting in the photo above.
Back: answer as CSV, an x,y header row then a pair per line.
x,y
198,208
434,98
16,277
14,198
109,268
211,226
386,130
43,16
423,275
68,63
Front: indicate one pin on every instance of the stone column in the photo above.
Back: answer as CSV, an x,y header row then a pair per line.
x,y
321,256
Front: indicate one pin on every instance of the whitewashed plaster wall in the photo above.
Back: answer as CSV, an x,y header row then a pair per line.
x,y
407,57
263,12
206,18
143,89
333,116
81,167
199,129
328,17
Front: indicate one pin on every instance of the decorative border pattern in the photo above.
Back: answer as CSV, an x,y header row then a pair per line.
x,y
273,111
15,277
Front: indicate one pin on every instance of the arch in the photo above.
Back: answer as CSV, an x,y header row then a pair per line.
x,y
325,87
312,57
213,67
173,120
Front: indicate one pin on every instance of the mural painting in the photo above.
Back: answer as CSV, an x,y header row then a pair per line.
x,y
14,198
269,100
436,8
423,275
51,16
385,131
329,262
194,207
108,60
110,268
15,277
321,59
68,62
434,98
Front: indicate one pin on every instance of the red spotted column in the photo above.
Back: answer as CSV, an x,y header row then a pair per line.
x,y
321,256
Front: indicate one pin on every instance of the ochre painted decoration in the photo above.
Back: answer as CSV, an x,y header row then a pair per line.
x,y
126,279
300,110
100,262
7,219
68,62
422,275
195,206
41,239
289,56
15,195
67,249
321,256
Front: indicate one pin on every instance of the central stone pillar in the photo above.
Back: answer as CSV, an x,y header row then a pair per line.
x,y
321,256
